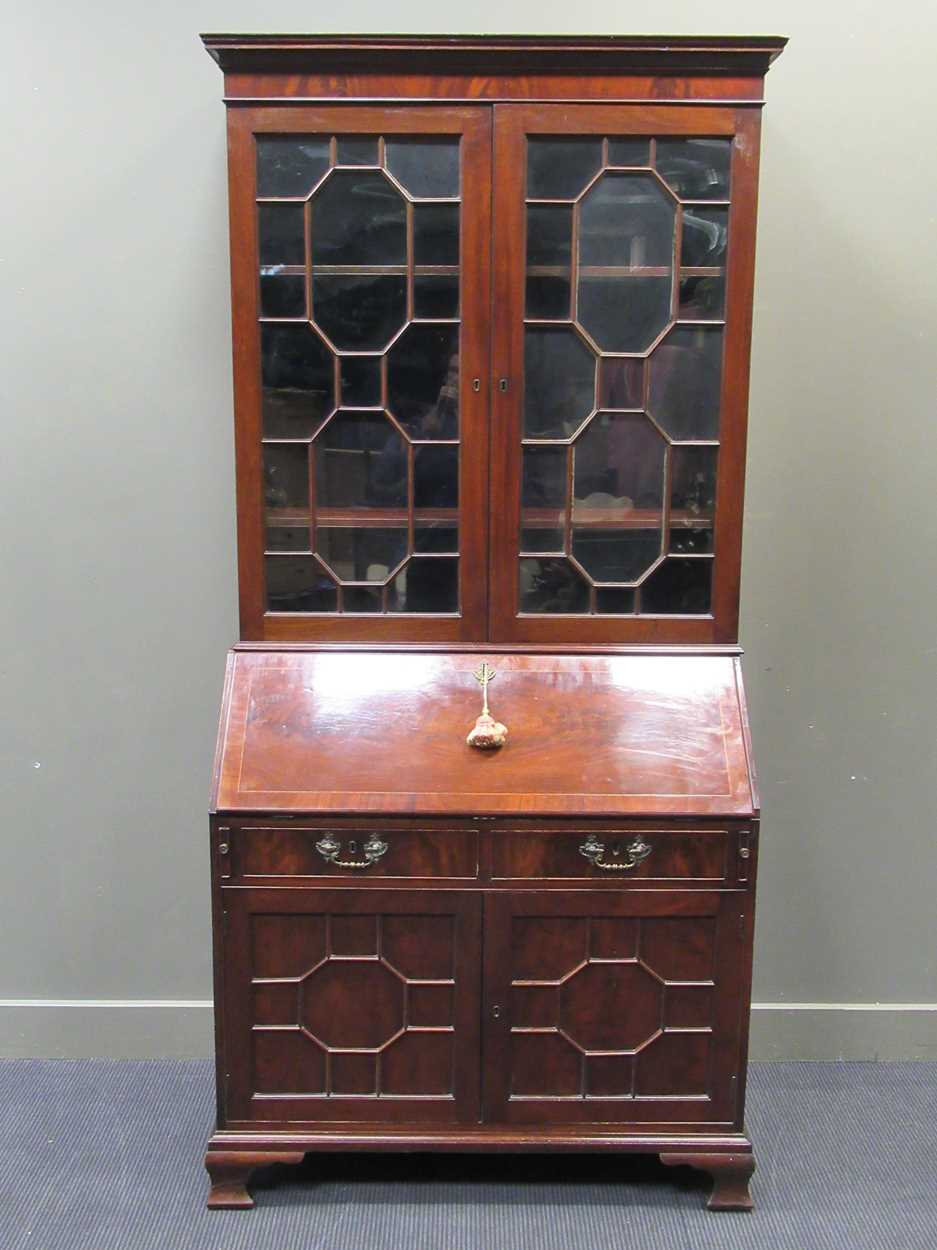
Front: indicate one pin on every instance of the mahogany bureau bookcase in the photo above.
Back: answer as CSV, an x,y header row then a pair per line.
x,y
491,312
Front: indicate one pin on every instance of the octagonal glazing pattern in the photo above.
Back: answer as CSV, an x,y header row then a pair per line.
x,y
359,301
626,254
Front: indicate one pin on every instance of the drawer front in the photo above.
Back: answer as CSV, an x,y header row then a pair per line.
x,y
263,853
644,855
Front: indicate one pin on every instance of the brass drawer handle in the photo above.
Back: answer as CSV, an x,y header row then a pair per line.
x,y
637,852
330,848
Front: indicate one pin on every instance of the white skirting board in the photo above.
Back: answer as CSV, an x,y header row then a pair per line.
x,y
84,1028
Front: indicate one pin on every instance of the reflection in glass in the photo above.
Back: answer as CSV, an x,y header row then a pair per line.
x,y
290,166
436,497
628,151
621,382
614,601
298,380
362,599
696,169
356,151
423,381
426,167
692,498
552,585
685,382
359,311
705,235
281,234
282,295
544,477
361,462
358,219
702,297
436,296
286,475
678,586
558,169
361,554
618,492
427,585
298,584
435,234
361,381
559,382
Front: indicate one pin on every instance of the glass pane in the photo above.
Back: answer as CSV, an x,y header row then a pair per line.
x,y
361,381
705,235
428,585
613,601
626,247
298,381
359,312
685,382
281,234
282,295
628,151
358,219
356,151
621,383
624,315
298,584
552,585
618,493
702,298
542,539
362,599
678,586
423,381
365,554
286,475
559,169
693,498
436,296
549,254
284,536
436,234
425,167
288,165
559,383
436,497
361,462
696,169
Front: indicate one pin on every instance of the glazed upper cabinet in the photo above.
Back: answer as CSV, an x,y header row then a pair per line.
x,y
491,362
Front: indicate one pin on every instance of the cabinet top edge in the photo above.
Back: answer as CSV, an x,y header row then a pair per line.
x,y
684,54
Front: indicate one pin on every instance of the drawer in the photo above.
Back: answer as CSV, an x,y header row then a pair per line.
x,y
262,852
645,855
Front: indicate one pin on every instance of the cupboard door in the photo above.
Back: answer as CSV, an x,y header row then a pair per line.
x,y
360,254
358,1005
623,261
612,1008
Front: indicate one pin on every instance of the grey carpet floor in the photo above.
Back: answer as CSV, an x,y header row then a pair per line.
x,y
102,1155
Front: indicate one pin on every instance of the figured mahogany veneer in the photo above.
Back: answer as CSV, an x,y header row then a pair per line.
x,y
418,945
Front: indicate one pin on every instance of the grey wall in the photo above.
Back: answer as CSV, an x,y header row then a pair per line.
x,y
117,599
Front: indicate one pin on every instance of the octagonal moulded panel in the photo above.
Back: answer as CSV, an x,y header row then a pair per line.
x,y
626,255
559,382
611,1006
619,466
359,258
352,1004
